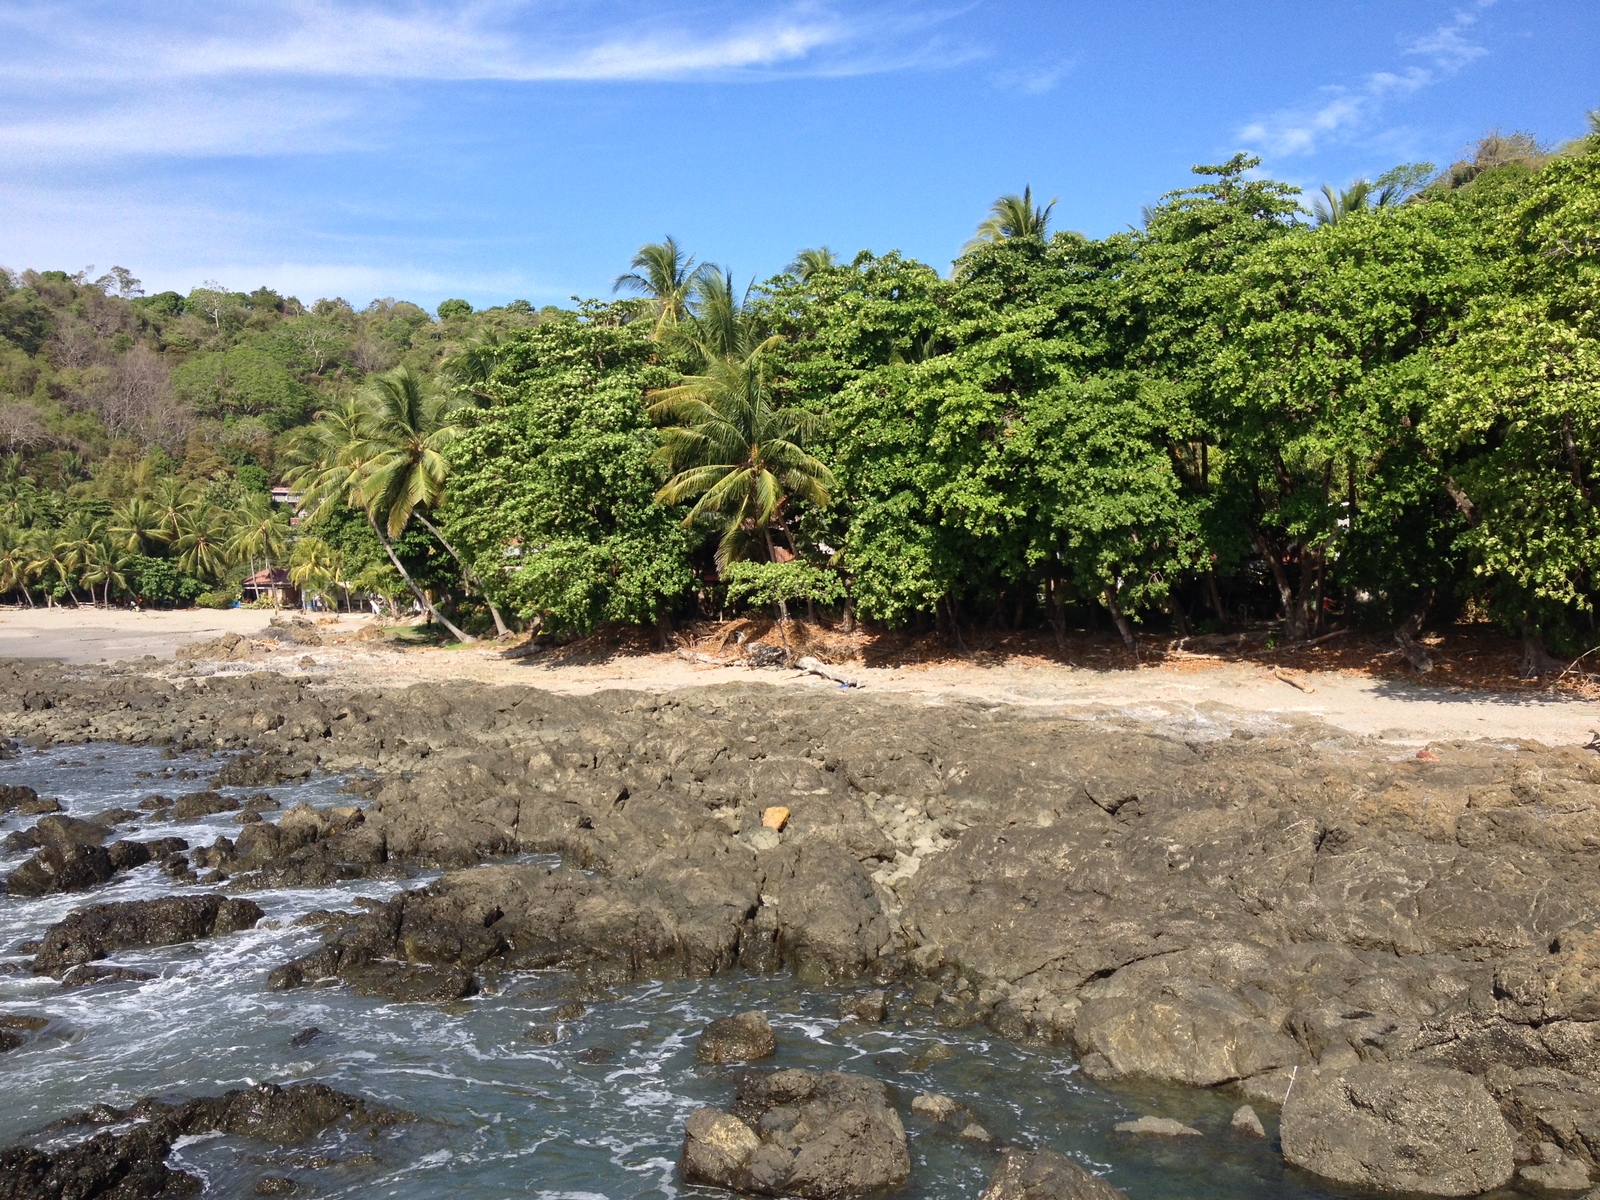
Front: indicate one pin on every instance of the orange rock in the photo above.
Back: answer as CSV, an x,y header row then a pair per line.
x,y
775,817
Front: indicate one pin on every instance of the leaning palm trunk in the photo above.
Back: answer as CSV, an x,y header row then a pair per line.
x,y
783,607
427,605
470,576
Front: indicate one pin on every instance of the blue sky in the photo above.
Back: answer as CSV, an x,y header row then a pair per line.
x,y
523,148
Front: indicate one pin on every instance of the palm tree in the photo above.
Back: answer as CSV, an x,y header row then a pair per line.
x,y
722,326
404,429
812,262
1014,217
257,529
663,274
104,564
381,453
732,449
135,524
16,563
327,458
202,541
47,562
1335,205
170,497
315,567
407,429
75,550
470,366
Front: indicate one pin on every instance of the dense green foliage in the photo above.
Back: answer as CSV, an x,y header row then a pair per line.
x,y
553,492
1374,411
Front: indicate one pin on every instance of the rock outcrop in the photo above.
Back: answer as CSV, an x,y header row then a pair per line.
x,y
1398,1128
742,1038
1045,1175
1178,905
92,933
817,1134
131,1163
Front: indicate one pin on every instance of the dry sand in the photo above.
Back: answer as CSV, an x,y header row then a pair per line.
x,y
1407,712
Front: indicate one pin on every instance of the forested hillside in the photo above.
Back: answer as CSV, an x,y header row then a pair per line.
x,y
1381,409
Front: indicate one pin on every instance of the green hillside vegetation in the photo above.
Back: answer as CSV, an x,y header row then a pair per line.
x,y
1378,408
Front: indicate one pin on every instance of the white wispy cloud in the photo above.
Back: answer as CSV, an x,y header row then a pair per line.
x,y
1035,80
1341,110
512,40
185,79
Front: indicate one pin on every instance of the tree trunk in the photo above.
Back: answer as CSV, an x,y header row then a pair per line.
x,y
427,605
1109,599
1058,614
1293,624
470,576
1214,594
1180,623
849,623
783,608
1537,662
1305,598
1406,636
953,616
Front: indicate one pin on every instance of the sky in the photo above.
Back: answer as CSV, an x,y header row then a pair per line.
x,y
500,149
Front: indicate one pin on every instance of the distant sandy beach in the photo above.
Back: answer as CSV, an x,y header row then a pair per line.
x,y
1405,711
91,635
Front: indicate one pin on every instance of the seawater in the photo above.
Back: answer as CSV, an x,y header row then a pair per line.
x,y
599,1113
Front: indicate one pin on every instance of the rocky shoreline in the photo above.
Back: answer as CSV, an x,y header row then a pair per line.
x,y
1404,949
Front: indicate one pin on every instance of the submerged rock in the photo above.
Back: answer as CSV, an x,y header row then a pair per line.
x,y
1158,1127
1561,1175
740,1038
870,1007
1397,1127
819,1134
127,1166
934,1106
131,1164
101,929
1045,1175
1245,1120
90,974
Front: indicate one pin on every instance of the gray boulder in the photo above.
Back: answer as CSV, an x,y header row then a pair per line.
x,y
1183,1030
1045,1175
736,1039
820,1134
1246,1121
1157,1127
1560,1175
57,869
100,929
867,1007
1396,1127
13,796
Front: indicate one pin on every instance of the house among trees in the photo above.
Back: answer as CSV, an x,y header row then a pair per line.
x,y
272,584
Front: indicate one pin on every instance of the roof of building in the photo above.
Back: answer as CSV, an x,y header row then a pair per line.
x,y
271,577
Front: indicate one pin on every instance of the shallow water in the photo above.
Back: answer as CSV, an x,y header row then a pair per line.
x,y
597,1114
